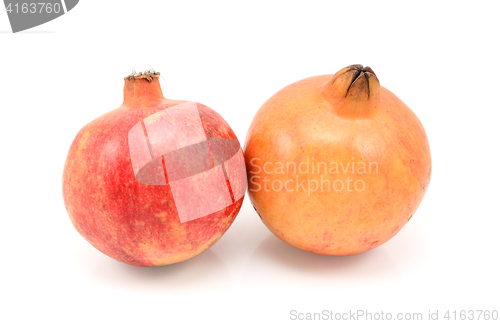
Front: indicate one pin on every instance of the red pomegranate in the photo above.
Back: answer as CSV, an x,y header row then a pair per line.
x,y
155,181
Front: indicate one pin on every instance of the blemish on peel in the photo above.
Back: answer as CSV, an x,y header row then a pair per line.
x,y
256,211
162,216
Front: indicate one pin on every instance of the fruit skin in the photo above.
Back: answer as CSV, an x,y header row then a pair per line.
x,y
129,221
332,119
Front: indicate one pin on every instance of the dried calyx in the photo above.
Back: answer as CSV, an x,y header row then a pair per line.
x,y
142,89
148,75
356,81
361,75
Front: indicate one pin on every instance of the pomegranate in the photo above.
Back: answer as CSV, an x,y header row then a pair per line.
x,y
155,181
336,164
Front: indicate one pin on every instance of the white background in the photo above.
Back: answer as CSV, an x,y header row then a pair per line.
x,y
440,58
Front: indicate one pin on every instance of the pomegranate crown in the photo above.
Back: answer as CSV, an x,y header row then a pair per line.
x,y
355,82
148,75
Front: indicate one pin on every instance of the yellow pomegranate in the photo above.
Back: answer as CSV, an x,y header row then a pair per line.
x,y
336,164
